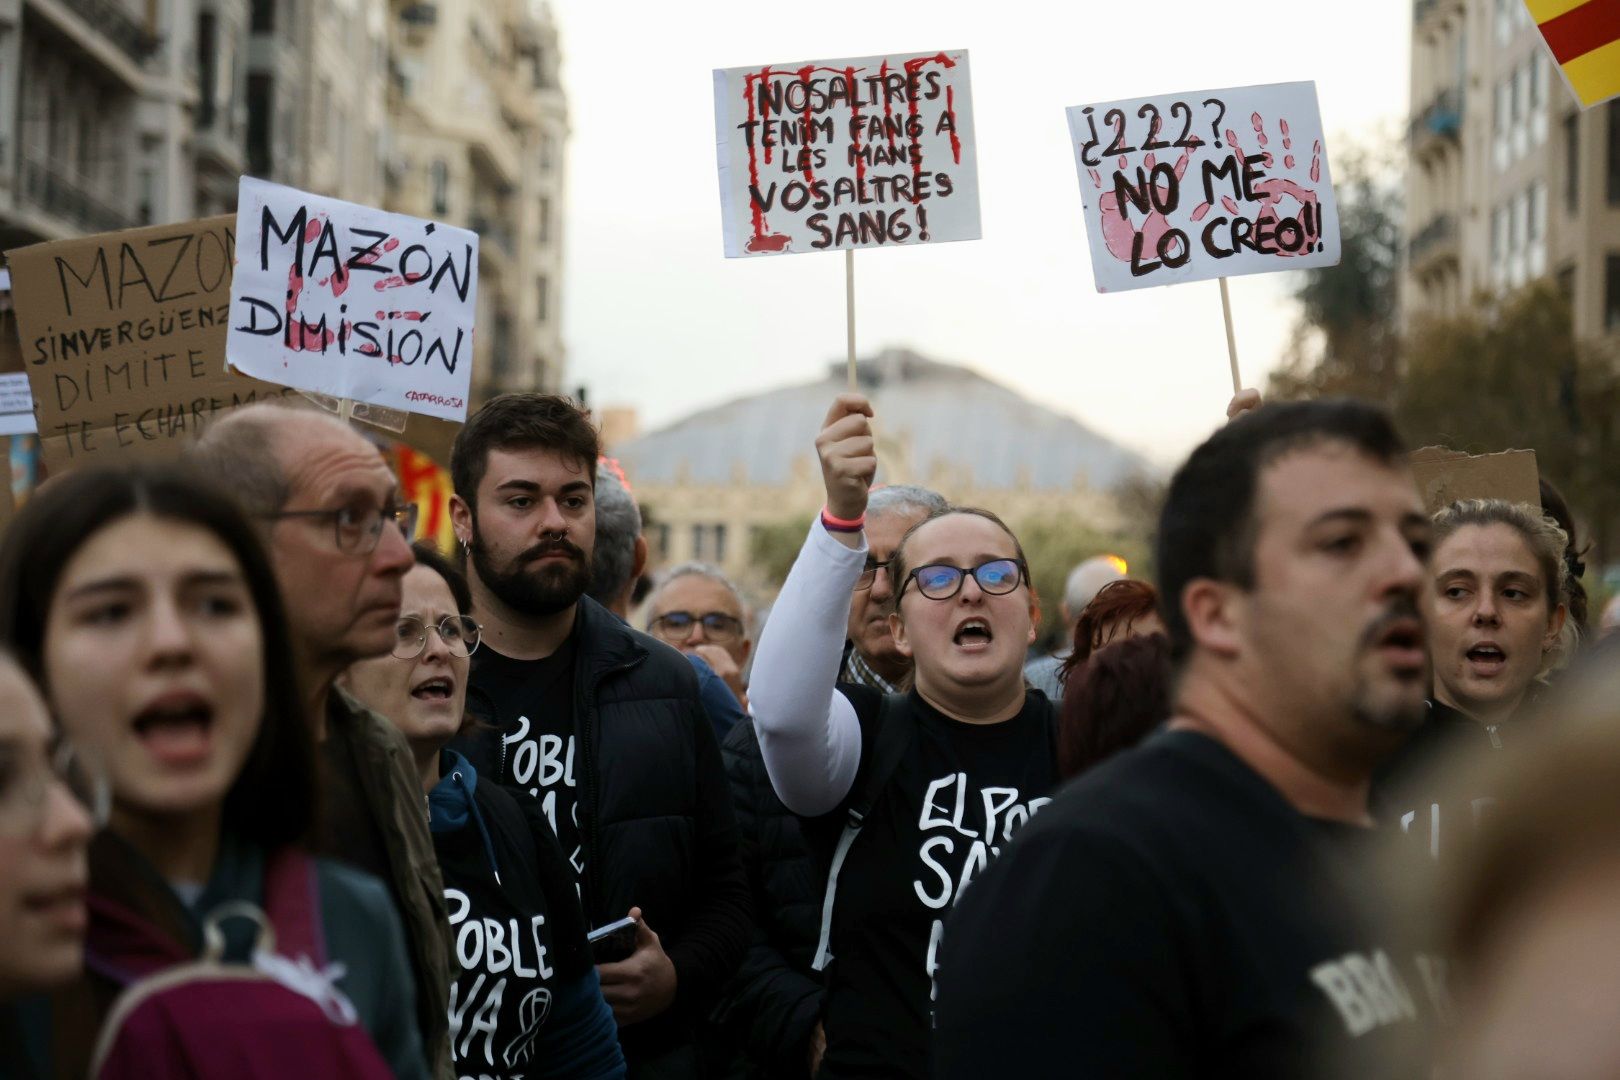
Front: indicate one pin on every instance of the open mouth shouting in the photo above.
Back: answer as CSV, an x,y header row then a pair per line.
x,y
176,728
973,635
435,689
1486,659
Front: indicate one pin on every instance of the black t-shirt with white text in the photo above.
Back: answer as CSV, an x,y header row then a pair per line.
x,y
958,794
534,706
1172,915
505,934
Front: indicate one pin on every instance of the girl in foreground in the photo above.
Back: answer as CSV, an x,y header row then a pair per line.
x,y
141,600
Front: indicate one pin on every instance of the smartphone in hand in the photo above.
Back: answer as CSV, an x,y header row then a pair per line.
x,y
613,942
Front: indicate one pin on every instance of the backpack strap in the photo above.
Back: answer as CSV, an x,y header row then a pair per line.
x,y
124,946
895,729
292,903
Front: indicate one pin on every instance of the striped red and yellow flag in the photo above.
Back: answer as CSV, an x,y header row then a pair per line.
x,y
424,483
1584,36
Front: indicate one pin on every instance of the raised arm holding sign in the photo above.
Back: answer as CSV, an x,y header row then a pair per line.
x,y
1212,184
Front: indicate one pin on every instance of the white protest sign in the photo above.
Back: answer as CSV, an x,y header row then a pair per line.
x,y
352,301
843,154
1186,187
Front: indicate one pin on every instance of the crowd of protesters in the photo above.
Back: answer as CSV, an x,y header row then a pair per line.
x,y
283,793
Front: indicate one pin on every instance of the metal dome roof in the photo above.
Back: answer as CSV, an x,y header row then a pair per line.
x,y
931,414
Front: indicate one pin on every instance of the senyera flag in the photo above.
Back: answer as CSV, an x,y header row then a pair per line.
x,y
1584,36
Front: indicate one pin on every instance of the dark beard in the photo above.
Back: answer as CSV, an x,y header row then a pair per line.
x,y
546,591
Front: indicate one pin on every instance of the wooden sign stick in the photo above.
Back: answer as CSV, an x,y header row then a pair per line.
x,y
1231,340
849,310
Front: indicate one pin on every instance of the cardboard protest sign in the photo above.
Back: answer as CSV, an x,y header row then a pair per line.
x,y
1584,39
842,154
1444,476
123,338
1184,187
353,302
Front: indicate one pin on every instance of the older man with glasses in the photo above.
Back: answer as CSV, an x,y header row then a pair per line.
x,y
870,656
697,609
339,542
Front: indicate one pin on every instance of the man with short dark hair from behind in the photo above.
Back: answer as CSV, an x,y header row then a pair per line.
x,y
602,723
1199,902
338,540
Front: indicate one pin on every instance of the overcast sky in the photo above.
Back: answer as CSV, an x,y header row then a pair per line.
x,y
655,316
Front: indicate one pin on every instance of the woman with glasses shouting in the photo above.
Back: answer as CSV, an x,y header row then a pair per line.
x,y
907,796
525,1000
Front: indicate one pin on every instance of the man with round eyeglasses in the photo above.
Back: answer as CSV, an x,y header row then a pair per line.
x,y
695,608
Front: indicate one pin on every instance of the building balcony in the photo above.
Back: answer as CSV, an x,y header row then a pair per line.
x,y
1434,246
1439,124
1427,15
56,194
218,141
494,237
108,20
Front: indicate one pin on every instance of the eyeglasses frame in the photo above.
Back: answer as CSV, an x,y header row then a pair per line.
x,y
438,628
1023,579
699,621
407,525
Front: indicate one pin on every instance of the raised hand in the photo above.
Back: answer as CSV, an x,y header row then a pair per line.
x,y
1244,401
848,455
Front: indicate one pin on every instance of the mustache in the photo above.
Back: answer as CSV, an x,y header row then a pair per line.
x,y
552,547
1399,610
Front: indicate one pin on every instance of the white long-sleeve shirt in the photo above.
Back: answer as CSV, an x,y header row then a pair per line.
x,y
808,733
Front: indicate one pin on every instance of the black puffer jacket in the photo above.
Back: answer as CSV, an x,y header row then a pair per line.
x,y
657,823
774,1000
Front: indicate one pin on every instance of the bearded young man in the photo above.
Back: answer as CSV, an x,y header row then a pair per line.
x,y
1201,905
602,723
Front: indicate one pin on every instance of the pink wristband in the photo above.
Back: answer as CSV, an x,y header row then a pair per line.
x,y
837,524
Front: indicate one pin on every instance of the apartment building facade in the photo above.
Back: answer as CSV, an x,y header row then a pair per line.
x,y
1508,181
480,125
92,98
318,96
119,113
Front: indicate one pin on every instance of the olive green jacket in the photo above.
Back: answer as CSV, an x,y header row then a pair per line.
x,y
392,790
